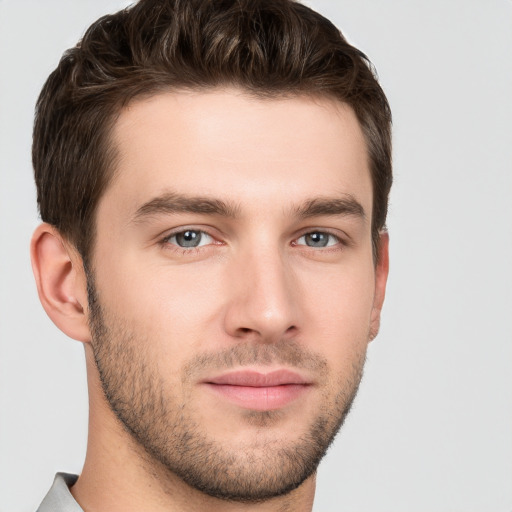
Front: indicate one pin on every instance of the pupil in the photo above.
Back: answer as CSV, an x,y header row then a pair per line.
x,y
188,238
316,239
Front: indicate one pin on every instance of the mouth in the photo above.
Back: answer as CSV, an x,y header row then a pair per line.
x,y
259,391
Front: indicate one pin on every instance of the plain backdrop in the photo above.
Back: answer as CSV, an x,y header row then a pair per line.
x,y
431,429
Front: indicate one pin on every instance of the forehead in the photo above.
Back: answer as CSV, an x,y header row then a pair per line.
x,y
223,142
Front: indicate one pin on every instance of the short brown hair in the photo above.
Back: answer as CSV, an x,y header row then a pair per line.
x,y
267,47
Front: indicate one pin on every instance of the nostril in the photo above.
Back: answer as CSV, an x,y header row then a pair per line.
x,y
291,329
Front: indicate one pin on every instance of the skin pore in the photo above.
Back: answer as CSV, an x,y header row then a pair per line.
x,y
232,294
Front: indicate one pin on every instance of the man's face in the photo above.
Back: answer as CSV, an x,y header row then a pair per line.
x,y
234,284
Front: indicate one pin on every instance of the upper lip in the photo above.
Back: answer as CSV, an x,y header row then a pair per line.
x,y
253,378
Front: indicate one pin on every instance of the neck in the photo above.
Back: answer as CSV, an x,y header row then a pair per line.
x,y
118,475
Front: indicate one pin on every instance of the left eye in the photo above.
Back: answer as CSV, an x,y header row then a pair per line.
x,y
318,239
190,238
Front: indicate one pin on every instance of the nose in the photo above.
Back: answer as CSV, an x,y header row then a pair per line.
x,y
263,304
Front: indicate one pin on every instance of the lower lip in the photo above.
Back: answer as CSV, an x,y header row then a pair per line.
x,y
260,398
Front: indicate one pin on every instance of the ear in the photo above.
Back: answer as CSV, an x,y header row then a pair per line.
x,y
61,282
381,277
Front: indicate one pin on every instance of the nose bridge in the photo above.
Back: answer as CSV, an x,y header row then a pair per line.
x,y
264,302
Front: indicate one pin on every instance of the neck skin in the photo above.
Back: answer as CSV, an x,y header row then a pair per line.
x,y
118,475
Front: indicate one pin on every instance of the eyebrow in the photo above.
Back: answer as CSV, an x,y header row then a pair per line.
x,y
169,203
345,206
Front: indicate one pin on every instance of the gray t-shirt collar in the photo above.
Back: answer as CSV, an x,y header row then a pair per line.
x,y
59,498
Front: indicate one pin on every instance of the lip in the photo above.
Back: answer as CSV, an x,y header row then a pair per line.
x,y
259,391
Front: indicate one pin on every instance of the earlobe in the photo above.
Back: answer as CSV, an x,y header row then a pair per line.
x,y
60,281
381,277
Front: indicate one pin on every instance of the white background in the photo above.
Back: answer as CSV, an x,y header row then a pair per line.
x,y
431,430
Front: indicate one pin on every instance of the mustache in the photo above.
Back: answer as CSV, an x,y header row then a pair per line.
x,y
283,352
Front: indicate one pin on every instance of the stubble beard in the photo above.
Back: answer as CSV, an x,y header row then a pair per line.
x,y
163,425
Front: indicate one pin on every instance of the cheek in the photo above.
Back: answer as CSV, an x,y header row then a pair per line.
x,y
164,305
340,309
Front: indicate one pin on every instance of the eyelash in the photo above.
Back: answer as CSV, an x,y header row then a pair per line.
x,y
339,244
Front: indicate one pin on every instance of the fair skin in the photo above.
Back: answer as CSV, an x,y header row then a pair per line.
x,y
246,339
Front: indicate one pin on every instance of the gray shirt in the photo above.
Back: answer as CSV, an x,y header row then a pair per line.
x,y
59,498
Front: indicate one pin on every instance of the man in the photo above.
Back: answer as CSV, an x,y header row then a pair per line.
x,y
213,181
